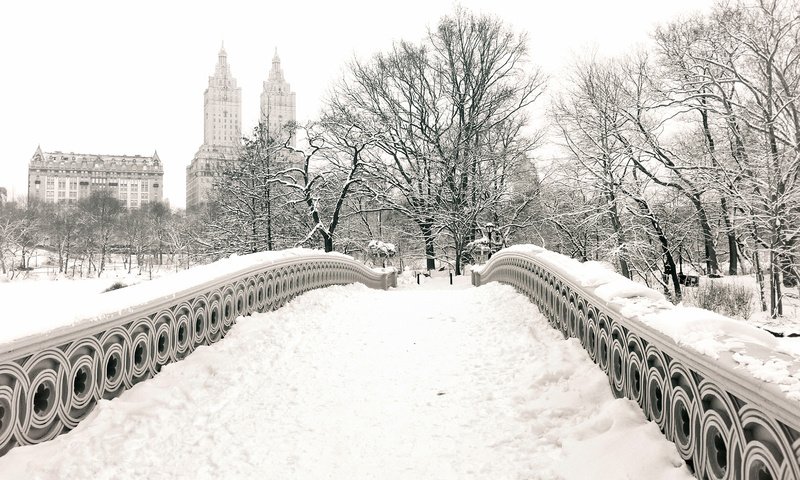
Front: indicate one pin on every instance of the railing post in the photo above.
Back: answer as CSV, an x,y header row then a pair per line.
x,y
476,278
390,279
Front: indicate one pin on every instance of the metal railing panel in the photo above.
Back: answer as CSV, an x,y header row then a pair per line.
x,y
50,382
725,423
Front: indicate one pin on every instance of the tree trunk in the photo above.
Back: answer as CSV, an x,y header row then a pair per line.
x,y
776,285
102,259
254,231
458,259
427,236
760,278
617,226
269,212
733,245
712,266
787,265
676,283
776,196
328,242
662,240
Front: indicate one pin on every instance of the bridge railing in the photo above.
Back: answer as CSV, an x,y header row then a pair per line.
x,y
725,422
50,382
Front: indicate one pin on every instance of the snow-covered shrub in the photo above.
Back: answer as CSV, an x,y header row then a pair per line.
x,y
377,248
726,299
115,286
380,251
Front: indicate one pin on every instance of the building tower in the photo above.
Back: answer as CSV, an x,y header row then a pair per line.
x,y
222,132
222,106
278,106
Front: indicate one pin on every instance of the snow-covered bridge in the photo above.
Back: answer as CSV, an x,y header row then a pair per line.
x,y
436,381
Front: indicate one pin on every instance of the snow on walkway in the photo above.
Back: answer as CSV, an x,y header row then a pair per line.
x,y
352,383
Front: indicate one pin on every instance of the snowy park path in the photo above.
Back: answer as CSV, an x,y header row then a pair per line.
x,y
350,383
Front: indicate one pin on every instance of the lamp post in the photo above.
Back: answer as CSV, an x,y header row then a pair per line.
x,y
489,232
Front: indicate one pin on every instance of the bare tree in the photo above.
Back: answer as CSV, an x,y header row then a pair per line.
x,y
249,211
740,64
329,170
21,231
436,110
135,232
588,120
101,212
62,230
612,145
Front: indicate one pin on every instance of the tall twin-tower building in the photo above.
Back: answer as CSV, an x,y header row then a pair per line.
x,y
222,123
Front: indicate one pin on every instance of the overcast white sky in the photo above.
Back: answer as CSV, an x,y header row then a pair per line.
x,y
113,78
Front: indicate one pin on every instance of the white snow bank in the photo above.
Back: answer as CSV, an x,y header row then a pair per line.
x,y
348,382
703,331
35,308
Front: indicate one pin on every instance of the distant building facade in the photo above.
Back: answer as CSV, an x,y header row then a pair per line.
x,y
278,104
222,132
222,125
58,177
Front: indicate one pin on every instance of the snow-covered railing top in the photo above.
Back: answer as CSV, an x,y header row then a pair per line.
x,y
727,394
51,379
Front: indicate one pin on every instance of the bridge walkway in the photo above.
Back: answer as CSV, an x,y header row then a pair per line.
x,y
437,381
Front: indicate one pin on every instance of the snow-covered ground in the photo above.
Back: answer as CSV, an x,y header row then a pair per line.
x,y
37,306
788,324
430,381
33,306
42,299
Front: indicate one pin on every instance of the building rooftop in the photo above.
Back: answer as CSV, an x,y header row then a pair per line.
x,y
47,158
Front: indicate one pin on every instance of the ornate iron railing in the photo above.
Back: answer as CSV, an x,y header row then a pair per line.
x,y
50,382
724,422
